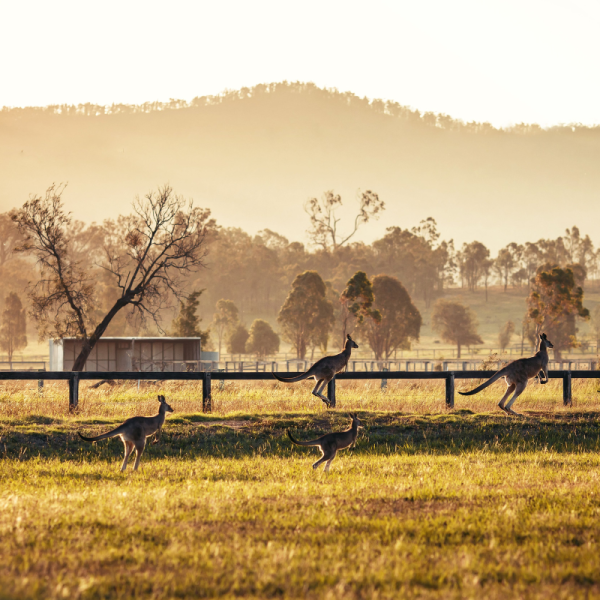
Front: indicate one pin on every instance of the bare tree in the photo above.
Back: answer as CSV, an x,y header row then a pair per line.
x,y
323,221
147,254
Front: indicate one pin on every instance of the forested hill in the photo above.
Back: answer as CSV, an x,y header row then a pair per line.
x,y
255,156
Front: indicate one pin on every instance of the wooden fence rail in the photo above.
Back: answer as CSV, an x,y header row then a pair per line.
x,y
206,377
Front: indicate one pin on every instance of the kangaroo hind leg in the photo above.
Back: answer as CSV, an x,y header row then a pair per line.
x,y
518,391
318,389
329,461
321,460
139,449
328,456
129,446
509,390
327,452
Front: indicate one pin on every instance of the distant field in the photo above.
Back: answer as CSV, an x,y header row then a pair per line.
x,y
454,505
501,307
492,315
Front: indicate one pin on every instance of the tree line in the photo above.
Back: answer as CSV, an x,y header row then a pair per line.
x,y
379,106
136,272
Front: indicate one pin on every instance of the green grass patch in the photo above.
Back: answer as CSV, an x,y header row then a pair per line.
x,y
455,505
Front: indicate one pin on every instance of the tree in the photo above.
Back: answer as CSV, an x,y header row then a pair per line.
x,y
417,258
506,332
532,257
262,340
578,250
10,238
528,332
486,270
306,314
323,230
555,300
13,327
225,318
472,260
595,325
356,301
146,254
507,261
395,322
187,323
236,342
456,323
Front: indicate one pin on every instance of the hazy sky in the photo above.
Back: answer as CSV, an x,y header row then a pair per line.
x,y
486,60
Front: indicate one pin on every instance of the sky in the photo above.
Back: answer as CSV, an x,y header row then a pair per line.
x,y
504,62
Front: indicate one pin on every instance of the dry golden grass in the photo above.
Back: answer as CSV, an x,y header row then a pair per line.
x,y
441,505
21,399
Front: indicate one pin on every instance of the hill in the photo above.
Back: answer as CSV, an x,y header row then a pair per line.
x,y
255,156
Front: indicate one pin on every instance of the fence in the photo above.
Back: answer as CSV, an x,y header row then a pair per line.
x,y
300,366
22,365
206,377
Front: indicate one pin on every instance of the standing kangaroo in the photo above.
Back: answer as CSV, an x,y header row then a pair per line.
x,y
325,369
134,432
518,373
330,443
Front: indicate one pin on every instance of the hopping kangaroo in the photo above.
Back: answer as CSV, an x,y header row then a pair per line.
x,y
134,432
518,373
325,369
332,442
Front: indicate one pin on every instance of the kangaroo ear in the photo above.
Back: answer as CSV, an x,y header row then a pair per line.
x,y
348,336
543,336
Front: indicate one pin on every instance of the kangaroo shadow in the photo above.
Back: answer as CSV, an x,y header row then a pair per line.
x,y
382,434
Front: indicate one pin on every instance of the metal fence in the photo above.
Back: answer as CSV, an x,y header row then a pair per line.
x,y
22,365
206,377
470,364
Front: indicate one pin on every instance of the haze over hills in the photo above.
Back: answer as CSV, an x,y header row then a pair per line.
x,y
255,156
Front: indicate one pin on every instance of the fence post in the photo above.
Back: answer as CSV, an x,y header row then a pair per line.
x,y
567,396
206,393
73,390
331,393
450,390
384,381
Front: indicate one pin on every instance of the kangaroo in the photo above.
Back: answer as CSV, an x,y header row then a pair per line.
x,y
134,432
518,373
325,369
330,443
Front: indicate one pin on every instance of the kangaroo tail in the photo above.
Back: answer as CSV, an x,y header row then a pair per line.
x,y
299,443
491,380
294,379
108,434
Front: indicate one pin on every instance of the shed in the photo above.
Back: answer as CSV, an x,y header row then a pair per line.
x,y
170,354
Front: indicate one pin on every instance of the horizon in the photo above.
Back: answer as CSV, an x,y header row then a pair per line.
x,y
249,152
183,103
500,62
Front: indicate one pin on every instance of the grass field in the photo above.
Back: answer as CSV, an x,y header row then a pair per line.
x,y
430,503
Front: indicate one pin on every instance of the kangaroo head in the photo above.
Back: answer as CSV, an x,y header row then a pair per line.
x,y
355,419
163,405
546,341
353,344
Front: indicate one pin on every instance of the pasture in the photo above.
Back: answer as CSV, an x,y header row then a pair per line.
x,y
431,503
